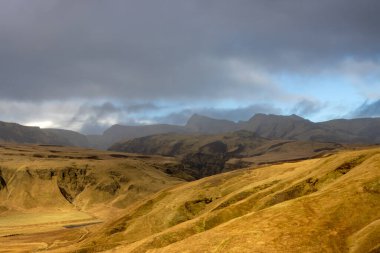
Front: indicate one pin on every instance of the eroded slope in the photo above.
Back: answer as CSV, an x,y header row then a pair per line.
x,y
329,204
49,194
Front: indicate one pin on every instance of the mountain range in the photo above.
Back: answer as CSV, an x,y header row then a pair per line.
x,y
292,127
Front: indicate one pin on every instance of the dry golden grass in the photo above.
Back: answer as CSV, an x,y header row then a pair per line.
x,y
328,204
48,193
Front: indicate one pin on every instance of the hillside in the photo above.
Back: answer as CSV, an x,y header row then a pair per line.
x,y
366,130
60,199
328,204
73,138
12,132
203,124
16,133
44,190
209,154
118,133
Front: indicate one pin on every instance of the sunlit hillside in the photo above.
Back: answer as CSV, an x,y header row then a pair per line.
x,y
50,195
74,200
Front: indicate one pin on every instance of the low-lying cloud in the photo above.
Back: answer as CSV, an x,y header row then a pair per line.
x,y
367,109
307,108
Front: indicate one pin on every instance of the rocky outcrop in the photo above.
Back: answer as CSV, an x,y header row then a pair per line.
x,y
69,182
72,181
3,184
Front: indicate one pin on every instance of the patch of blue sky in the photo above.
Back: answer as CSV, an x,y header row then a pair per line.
x,y
337,94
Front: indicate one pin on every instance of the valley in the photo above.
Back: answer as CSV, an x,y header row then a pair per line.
x,y
201,155
189,126
269,184
65,199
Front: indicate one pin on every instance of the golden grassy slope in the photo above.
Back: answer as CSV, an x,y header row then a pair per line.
x,y
47,193
329,204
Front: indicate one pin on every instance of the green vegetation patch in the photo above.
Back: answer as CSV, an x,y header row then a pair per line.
x,y
244,194
373,187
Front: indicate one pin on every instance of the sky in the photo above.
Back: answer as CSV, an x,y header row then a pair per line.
x,y
88,64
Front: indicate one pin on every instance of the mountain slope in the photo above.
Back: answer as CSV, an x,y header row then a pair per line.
x,y
209,154
365,130
51,195
16,133
119,133
278,127
195,124
328,204
270,126
72,176
73,138
58,199
202,124
294,127
12,132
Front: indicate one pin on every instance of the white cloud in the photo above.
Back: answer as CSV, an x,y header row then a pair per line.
x,y
42,124
43,114
364,75
251,81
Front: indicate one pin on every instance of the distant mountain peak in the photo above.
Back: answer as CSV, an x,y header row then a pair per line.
x,y
197,116
205,124
296,116
262,116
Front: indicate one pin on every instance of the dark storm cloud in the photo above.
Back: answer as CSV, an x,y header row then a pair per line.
x,y
174,49
368,110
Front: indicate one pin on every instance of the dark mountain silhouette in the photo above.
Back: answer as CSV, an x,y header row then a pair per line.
x,y
279,127
12,132
202,124
363,130
118,132
71,137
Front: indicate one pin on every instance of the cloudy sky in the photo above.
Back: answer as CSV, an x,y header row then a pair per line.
x,y
88,64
